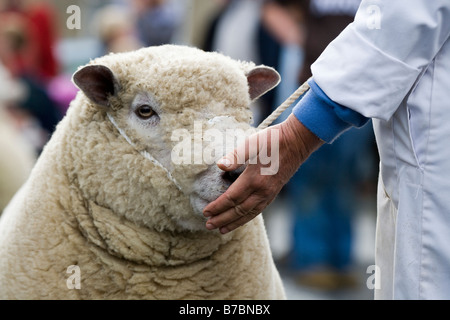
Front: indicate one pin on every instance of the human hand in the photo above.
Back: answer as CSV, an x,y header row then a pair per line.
x,y
289,145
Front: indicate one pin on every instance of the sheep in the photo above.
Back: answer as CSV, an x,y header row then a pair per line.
x,y
107,214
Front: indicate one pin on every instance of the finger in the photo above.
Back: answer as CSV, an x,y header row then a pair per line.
x,y
245,218
225,218
236,194
245,212
238,157
239,222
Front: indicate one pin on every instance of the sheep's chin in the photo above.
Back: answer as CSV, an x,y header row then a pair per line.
x,y
198,204
195,221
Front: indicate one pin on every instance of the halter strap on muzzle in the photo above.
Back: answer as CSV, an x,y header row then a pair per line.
x,y
144,153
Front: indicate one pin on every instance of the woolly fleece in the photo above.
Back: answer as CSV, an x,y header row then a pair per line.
x,y
95,202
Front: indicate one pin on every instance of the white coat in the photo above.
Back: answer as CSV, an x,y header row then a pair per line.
x,y
392,64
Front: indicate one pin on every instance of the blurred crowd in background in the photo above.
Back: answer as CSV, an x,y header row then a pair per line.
x,y
39,53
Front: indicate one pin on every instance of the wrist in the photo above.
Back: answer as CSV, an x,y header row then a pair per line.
x,y
299,138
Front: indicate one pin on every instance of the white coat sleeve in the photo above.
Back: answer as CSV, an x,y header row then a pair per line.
x,y
374,63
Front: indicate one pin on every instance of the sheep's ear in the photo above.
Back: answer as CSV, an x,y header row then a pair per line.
x,y
97,82
261,80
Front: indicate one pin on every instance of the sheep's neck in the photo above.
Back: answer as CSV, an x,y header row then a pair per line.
x,y
139,244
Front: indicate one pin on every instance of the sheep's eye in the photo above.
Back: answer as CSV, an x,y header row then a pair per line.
x,y
145,112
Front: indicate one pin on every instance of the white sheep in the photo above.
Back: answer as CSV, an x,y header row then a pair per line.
x,y
107,213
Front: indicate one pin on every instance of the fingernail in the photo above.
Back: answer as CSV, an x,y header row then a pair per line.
x,y
210,226
224,230
207,214
225,162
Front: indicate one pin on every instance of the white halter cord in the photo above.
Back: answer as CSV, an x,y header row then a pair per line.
x,y
297,94
144,153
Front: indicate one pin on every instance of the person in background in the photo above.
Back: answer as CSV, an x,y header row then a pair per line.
x,y
233,32
283,28
281,35
257,31
115,28
323,196
157,21
31,26
43,19
17,156
27,35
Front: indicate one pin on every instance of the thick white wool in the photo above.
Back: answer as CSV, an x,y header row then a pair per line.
x,y
95,202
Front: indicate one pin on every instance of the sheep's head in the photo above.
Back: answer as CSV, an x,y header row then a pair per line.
x,y
183,109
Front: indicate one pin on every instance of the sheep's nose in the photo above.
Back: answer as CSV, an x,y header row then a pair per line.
x,y
231,176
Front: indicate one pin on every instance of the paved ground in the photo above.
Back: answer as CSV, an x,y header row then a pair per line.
x,y
277,222
298,292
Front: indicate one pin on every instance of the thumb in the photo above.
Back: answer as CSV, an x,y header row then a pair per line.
x,y
239,156
229,162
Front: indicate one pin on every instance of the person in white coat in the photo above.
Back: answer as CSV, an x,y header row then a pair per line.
x,y
392,64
